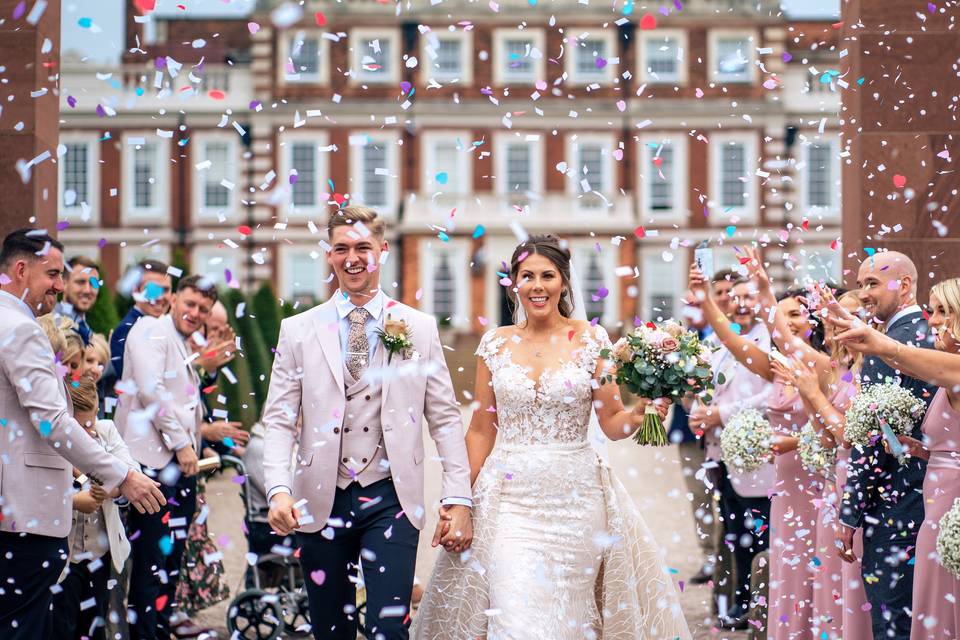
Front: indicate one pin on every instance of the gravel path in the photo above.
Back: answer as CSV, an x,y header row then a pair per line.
x,y
652,476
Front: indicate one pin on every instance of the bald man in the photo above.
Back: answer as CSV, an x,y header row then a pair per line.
x,y
883,496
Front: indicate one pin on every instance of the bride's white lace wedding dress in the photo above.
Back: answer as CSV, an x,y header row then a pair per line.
x,y
560,551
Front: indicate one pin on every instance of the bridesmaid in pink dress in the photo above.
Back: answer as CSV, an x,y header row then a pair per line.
x,y
934,616
793,520
840,608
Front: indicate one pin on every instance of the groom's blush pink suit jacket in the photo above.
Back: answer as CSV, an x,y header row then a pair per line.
x,y
307,383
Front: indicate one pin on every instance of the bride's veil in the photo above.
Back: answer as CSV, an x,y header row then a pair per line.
x,y
594,433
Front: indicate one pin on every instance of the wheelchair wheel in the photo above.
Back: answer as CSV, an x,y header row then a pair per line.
x,y
255,615
296,612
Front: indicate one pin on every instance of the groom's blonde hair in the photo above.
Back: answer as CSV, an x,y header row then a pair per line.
x,y
349,216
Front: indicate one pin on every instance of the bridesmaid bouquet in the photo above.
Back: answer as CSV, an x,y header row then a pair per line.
x,y
882,410
747,440
659,361
815,457
948,539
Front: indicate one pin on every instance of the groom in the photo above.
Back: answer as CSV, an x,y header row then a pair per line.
x,y
351,408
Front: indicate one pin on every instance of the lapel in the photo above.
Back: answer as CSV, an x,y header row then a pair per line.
x,y
326,323
907,320
181,346
382,353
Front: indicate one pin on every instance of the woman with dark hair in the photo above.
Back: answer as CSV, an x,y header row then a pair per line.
x,y
559,550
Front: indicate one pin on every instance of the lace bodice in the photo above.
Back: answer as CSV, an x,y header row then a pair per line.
x,y
555,408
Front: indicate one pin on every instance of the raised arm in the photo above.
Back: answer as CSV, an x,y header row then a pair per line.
x,y
776,320
749,354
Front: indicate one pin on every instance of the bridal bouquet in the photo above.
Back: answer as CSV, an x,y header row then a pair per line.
x,y
659,361
882,410
747,440
815,457
948,539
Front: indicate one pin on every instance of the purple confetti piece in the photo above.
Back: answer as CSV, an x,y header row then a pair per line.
x,y
932,8
102,243
101,112
19,10
254,104
664,11
601,293
787,57
405,87
63,224
160,63
239,479
228,275
678,5
601,62
486,91
293,178
72,102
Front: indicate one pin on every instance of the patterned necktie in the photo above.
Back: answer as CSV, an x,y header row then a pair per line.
x,y
358,346
84,330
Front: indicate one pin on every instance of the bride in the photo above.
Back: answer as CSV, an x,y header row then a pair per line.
x,y
559,549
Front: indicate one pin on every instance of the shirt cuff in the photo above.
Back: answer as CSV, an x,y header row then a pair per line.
x,y
454,500
278,489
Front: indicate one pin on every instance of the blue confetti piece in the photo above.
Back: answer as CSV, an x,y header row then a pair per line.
x,y
45,428
870,251
479,231
730,231
183,142
443,236
442,177
166,545
153,291
229,442
86,23
861,79
95,284
139,92
628,7
736,327
825,78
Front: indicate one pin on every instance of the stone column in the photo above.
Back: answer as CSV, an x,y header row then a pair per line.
x,y
901,129
29,123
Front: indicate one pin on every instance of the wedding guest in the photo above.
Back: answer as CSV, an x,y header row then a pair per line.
x,y
96,357
883,495
840,607
151,297
159,415
935,613
97,538
744,503
81,288
42,441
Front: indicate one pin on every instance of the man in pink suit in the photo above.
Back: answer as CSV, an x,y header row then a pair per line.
x,y
40,442
350,407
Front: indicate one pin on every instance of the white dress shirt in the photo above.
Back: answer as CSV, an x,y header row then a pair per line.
x,y
914,308
20,301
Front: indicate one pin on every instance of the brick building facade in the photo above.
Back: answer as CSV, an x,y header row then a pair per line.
x,y
462,124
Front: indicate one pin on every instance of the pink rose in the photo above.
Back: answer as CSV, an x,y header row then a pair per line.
x,y
669,345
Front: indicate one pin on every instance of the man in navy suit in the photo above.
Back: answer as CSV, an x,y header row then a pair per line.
x,y
883,495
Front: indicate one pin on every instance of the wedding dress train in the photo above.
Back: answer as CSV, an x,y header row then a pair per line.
x,y
560,550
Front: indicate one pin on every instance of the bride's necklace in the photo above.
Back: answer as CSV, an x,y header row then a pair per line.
x,y
538,346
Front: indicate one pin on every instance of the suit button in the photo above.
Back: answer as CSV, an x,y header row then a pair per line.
x,y
336,429
349,398
366,397
364,459
365,429
344,460
346,429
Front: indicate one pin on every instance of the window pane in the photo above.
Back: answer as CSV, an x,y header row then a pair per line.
x,y
373,62
214,193
76,174
661,55
448,159
592,282
304,160
144,168
588,52
733,167
304,54
590,164
732,59
663,179
518,62
305,275
444,290
448,60
374,186
819,176
518,168
661,296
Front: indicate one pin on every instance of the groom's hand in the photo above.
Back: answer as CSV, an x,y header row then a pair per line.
x,y
458,535
283,517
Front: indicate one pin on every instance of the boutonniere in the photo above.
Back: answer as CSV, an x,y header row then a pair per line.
x,y
396,337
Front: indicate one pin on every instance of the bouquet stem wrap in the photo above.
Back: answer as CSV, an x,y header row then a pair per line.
x,y
651,431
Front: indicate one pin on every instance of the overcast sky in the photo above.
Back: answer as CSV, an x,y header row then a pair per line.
x,y
104,40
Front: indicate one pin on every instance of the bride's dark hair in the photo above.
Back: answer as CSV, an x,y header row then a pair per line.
x,y
548,246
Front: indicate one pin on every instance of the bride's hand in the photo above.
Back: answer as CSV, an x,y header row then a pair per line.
x,y
662,405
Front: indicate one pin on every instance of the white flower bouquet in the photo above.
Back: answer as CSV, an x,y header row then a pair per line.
x,y
882,410
747,440
815,457
948,539
659,361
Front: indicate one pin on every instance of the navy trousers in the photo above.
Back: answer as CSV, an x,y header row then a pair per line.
x,y
29,565
373,537
887,571
746,530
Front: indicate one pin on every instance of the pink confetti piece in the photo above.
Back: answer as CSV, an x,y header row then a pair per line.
x,y
319,576
648,21
253,27
899,181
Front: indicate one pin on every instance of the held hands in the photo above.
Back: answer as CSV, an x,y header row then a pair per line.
x,y
221,429
188,461
705,417
283,516
85,502
142,492
845,543
455,529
